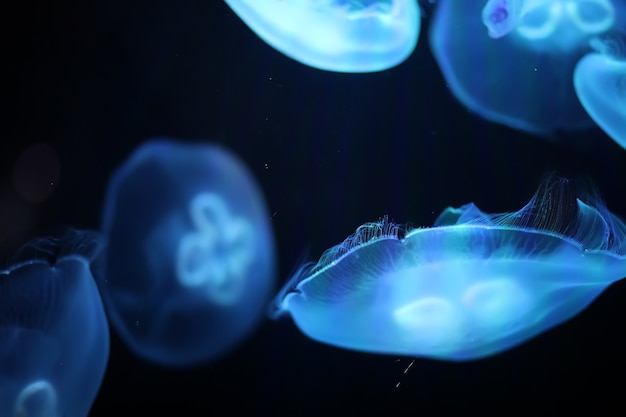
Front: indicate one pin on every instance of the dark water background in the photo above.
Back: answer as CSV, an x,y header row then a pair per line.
x,y
330,151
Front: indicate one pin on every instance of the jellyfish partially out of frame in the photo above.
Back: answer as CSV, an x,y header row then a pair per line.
x,y
54,336
600,82
511,61
473,285
336,35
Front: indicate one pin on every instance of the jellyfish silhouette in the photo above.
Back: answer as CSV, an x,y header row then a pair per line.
x,y
471,286
336,35
54,332
189,266
600,82
517,71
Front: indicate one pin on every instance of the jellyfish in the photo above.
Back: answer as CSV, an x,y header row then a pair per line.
x,y
53,328
517,71
473,285
189,266
336,35
600,82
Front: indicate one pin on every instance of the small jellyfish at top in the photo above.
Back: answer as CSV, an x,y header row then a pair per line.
x,y
189,266
473,285
336,35
600,82
53,330
511,61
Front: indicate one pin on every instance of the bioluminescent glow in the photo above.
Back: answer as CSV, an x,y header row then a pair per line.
x,y
517,70
54,333
336,35
190,260
600,81
473,285
561,24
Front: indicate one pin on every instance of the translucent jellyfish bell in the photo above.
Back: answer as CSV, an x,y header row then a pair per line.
x,y
600,82
54,334
189,266
562,24
511,61
336,35
473,285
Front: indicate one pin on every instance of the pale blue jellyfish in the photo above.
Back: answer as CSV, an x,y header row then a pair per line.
x,y
54,337
190,260
600,81
336,35
473,285
511,61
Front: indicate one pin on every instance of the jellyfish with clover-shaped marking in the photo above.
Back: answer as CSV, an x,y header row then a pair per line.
x,y
336,35
511,61
190,258
473,285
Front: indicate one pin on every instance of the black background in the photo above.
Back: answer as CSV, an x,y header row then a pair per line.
x,y
330,151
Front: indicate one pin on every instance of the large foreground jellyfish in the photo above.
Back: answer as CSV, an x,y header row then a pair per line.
x,y
190,260
54,337
600,81
336,35
511,61
473,285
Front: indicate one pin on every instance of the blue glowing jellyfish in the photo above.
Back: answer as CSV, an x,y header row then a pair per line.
x,y
190,260
473,285
54,334
600,81
518,70
336,35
